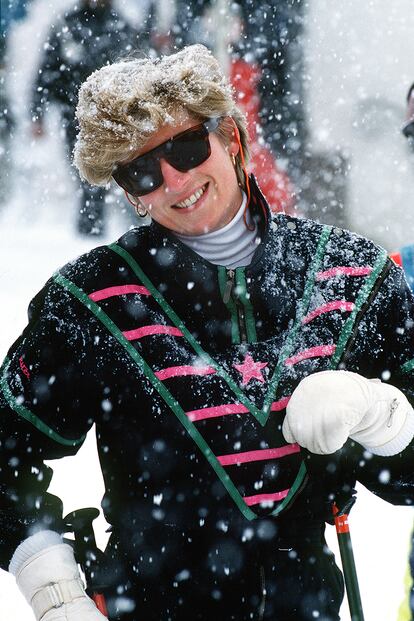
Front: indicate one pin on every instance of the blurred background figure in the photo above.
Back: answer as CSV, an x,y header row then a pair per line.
x,y
274,179
405,257
269,37
263,45
85,38
259,44
11,11
272,39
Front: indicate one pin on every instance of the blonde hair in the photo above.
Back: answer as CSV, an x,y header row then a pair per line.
x,y
122,105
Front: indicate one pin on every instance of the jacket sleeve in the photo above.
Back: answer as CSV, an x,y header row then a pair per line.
x,y
46,409
384,348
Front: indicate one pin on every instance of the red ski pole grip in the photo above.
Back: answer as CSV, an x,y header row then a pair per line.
x,y
100,603
342,524
341,520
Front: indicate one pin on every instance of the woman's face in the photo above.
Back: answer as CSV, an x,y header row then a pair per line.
x,y
214,181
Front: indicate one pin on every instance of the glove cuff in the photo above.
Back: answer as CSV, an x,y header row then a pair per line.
x,y
53,565
399,442
31,546
56,595
50,580
386,427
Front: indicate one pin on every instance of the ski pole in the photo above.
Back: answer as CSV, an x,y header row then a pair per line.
x,y
348,561
87,552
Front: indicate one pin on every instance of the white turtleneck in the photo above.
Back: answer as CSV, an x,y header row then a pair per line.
x,y
232,246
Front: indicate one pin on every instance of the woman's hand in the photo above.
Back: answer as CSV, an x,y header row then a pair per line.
x,y
51,584
329,407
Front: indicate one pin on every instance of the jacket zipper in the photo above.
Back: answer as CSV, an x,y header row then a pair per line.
x,y
229,285
229,292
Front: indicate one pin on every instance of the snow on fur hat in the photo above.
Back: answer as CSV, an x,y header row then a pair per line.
x,y
121,105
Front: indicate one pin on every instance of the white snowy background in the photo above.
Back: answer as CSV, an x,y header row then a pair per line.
x,y
360,63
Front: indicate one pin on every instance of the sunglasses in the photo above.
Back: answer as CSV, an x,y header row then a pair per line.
x,y
183,151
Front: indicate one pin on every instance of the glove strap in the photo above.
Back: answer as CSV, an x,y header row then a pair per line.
x,y
56,594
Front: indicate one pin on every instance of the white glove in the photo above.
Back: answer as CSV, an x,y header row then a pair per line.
x,y
329,407
51,584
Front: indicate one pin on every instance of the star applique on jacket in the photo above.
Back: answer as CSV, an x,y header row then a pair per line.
x,y
250,370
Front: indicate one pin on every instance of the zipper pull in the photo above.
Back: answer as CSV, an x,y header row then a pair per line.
x,y
394,405
229,286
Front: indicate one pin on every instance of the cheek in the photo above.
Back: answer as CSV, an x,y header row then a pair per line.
x,y
219,159
222,171
227,176
152,200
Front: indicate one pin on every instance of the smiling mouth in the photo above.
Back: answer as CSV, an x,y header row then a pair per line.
x,y
191,200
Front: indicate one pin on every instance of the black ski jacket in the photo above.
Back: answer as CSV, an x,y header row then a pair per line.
x,y
186,369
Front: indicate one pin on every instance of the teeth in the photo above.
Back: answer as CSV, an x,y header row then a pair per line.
x,y
191,199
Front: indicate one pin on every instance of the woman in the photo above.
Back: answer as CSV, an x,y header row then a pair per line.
x,y
185,342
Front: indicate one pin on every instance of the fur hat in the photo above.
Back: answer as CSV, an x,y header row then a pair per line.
x,y
121,105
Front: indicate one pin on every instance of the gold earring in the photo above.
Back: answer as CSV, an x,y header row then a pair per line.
x,y
233,159
140,210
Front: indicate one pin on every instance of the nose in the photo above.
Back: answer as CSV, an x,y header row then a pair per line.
x,y
174,180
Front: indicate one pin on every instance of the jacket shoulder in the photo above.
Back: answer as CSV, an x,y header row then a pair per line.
x,y
344,247
102,263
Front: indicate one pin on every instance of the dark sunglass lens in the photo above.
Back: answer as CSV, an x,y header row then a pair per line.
x,y
140,177
186,151
189,150
145,183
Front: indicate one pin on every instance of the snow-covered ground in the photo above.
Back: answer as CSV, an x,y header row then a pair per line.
x,y
359,58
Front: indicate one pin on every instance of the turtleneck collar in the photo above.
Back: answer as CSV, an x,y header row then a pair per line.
x,y
232,246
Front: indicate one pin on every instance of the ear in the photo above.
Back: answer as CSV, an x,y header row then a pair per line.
x,y
234,143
